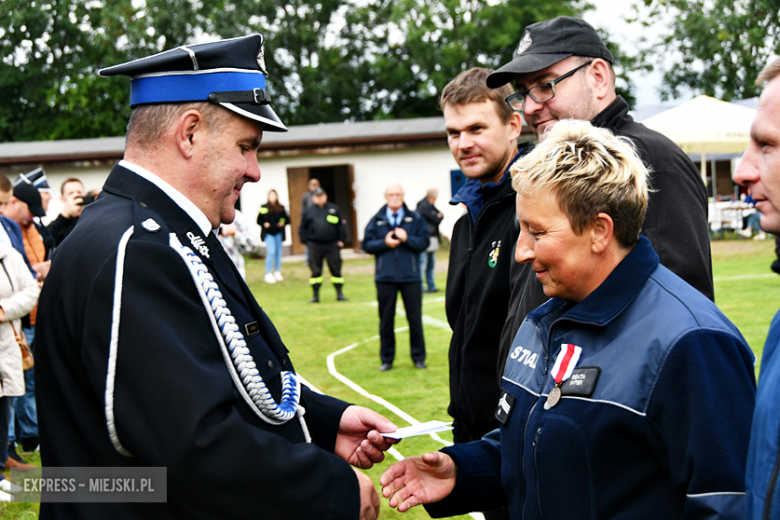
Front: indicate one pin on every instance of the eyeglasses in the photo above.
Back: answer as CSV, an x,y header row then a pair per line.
x,y
541,93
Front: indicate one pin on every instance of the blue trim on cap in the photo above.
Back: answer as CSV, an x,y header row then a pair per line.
x,y
177,88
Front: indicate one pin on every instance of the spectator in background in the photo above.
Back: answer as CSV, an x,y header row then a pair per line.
x,y
11,236
25,205
306,203
396,236
324,231
37,178
72,198
238,240
18,295
433,218
273,220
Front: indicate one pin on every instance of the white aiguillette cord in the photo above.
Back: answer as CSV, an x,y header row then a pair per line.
x,y
240,363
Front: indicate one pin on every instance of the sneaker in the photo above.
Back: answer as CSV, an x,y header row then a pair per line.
x,y
747,233
5,497
269,278
761,236
278,276
8,487
420,364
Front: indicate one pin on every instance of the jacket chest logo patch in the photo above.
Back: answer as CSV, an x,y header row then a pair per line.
x,y
493,256
199,244
524,356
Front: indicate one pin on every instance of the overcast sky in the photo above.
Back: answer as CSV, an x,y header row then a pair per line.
x,y
609,15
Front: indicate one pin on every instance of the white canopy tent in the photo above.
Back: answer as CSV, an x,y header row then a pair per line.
x,y
705,125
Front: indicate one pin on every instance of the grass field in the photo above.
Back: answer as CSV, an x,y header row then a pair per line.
x,y
746,290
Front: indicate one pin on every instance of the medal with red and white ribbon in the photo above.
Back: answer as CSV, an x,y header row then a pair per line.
x,y
564,366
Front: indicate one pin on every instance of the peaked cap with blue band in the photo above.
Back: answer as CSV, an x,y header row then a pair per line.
x,y
230,73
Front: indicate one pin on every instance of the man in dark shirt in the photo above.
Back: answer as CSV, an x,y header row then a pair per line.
x,y
72,197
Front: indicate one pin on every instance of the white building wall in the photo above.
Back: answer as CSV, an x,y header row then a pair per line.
x,y
415,169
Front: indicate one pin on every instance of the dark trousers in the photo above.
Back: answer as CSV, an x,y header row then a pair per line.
x,y
5,415
386,295
329,251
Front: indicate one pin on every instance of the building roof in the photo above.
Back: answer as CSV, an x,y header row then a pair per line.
x,y
320,138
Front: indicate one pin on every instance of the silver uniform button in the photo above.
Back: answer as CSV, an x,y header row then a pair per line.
x,y
270,364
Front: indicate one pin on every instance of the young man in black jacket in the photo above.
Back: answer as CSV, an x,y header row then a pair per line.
x,y
482,132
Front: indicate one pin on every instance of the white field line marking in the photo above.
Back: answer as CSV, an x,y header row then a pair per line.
x,y
397,411
392,451
427,320
357,388
743,276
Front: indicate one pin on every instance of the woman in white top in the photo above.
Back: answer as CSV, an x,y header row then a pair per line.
x,y
18,295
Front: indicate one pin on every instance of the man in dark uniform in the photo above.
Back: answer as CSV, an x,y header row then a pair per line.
x,y
324,231
152,350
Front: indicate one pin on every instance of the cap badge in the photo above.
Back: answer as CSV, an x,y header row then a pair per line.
x,y
261,60
525,42
150,225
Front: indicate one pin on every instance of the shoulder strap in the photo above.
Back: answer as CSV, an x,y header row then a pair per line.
x,y
2,263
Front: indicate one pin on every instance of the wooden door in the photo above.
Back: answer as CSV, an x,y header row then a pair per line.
x,y
297,185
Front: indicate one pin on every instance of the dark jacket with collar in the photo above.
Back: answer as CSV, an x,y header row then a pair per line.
x,y
662,431
676,220
763,486
482,276
432,216
175,403
400,264
323,224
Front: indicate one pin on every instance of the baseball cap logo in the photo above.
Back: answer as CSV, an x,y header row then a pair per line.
x,y
525,42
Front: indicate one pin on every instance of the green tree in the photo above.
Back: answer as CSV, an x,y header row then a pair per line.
x,y
718,46
419,45
328,60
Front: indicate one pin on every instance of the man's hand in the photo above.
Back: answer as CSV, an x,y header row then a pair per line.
x,y
227,230
42,270
72,205
419,480
369,499
266,225
401,234
392,242
359,441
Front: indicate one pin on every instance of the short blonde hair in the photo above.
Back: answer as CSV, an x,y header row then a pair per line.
x,y
590,171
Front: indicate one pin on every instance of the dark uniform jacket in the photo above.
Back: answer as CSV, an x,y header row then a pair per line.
x,y
482,274
676,219
274,218
322,224
61,228
172,401
400,264
653,423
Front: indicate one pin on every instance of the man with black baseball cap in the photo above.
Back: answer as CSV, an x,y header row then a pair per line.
x,y
563,70
153,351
